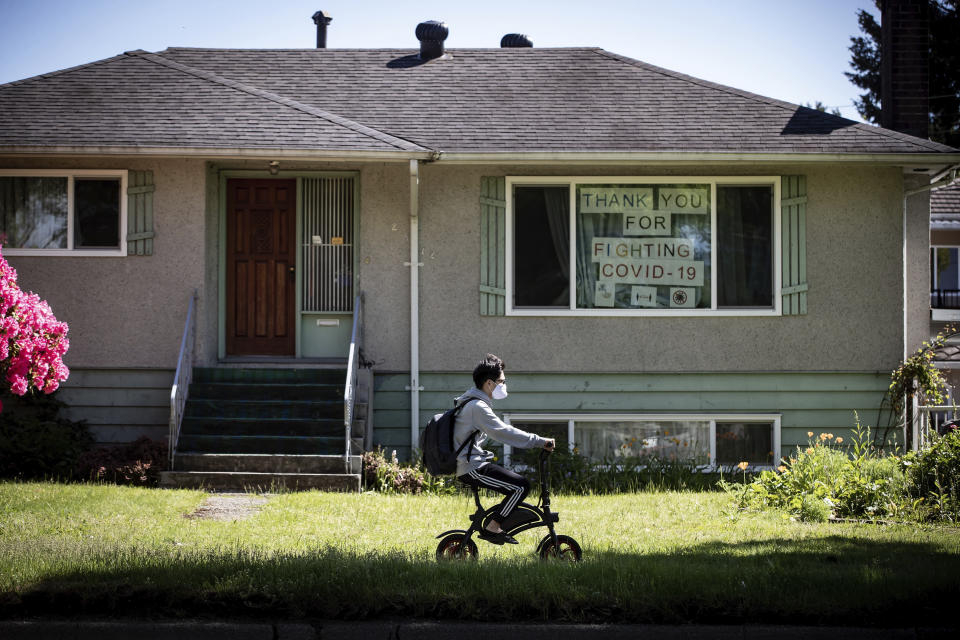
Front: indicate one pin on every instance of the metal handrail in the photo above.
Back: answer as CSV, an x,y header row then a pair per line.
x,y
182,379
350,387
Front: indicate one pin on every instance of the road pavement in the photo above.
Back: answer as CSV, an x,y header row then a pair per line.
x,y
436,630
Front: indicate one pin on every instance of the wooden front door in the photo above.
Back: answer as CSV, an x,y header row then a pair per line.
x,y
261,267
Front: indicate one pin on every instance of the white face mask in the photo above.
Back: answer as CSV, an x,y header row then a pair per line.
x,y
500,391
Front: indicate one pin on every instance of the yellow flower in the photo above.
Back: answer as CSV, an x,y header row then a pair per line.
x,y
743,465
809,451
781,469
809,434
839,440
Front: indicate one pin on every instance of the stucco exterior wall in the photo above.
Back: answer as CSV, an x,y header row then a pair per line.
x,y
855,301
127,312
918,264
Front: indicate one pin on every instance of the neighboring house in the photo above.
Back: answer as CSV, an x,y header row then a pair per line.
x,y
945,277
665,264
944,259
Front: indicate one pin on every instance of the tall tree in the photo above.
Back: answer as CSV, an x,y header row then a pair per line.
x,y
944,69
819,106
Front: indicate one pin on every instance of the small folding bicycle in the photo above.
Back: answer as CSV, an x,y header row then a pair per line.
x,y
458,543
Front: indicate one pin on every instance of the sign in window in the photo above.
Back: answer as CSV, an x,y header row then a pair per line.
x,y
641,247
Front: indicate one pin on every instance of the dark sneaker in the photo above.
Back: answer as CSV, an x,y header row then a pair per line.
x,y
496,538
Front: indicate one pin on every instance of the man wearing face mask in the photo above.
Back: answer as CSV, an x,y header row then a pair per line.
x,y
476,422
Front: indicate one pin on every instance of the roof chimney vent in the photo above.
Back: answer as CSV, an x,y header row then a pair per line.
x,y
321,19
431,35
515,41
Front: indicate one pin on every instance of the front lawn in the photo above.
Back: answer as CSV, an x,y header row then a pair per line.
x,y
648,557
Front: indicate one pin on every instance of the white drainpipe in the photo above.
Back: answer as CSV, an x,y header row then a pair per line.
x,y
414,265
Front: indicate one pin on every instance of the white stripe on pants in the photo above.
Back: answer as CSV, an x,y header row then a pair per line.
x,y
514,492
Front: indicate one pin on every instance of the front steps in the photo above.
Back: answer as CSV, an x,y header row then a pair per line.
x,y
264,472
260,429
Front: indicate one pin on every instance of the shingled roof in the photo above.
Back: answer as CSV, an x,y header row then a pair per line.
x,y
945,208
386,100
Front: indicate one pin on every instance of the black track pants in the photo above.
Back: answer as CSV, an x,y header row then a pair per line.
x,y
492,476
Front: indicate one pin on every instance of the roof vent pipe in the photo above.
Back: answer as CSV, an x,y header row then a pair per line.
x,y
431,35
321,19
515,41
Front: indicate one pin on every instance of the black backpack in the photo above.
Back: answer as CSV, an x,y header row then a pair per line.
x,y
436,442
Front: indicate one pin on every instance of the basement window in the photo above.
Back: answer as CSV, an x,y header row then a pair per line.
x,y
709,441
76,212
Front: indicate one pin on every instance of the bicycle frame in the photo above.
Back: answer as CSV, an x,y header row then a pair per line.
x,y
524,517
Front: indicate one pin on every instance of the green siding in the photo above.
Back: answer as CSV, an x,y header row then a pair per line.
x,y
818,402
119,405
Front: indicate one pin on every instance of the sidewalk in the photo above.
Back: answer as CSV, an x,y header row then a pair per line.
x,y
406,630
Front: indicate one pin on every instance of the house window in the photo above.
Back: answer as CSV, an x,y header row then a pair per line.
x,y
706,440
687,246
944,277
80,212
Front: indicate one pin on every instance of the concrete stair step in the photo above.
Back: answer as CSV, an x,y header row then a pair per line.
x,y
250,481
260,463
261,427
257,407
329,445
267,392
262,376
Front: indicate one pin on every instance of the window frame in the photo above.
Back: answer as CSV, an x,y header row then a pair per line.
x,y
71,175
941,314
714,311
570,418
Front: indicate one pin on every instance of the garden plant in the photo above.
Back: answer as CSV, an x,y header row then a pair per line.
x,y
32,340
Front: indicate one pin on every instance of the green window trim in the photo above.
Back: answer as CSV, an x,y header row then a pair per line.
x,y
140,231
493,216
793,258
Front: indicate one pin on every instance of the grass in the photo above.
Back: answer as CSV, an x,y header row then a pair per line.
x,y
649,557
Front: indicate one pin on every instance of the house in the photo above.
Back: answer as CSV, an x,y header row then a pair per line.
x,y
665,264
944,277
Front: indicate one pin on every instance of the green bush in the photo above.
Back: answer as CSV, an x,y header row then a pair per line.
x,y
825,481
934,474
36,442
573,473
138,463
390,476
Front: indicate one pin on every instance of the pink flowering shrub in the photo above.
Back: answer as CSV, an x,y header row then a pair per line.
x,y
32,341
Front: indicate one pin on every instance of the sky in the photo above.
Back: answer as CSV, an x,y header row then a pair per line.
x,y
793,50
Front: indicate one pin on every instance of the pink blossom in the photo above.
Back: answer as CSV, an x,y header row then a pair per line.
x,y
32,341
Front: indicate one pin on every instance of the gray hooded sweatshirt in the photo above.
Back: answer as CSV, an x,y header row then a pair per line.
x,y
478,416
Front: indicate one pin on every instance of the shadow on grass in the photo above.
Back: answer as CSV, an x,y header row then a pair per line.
x,y
837,580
